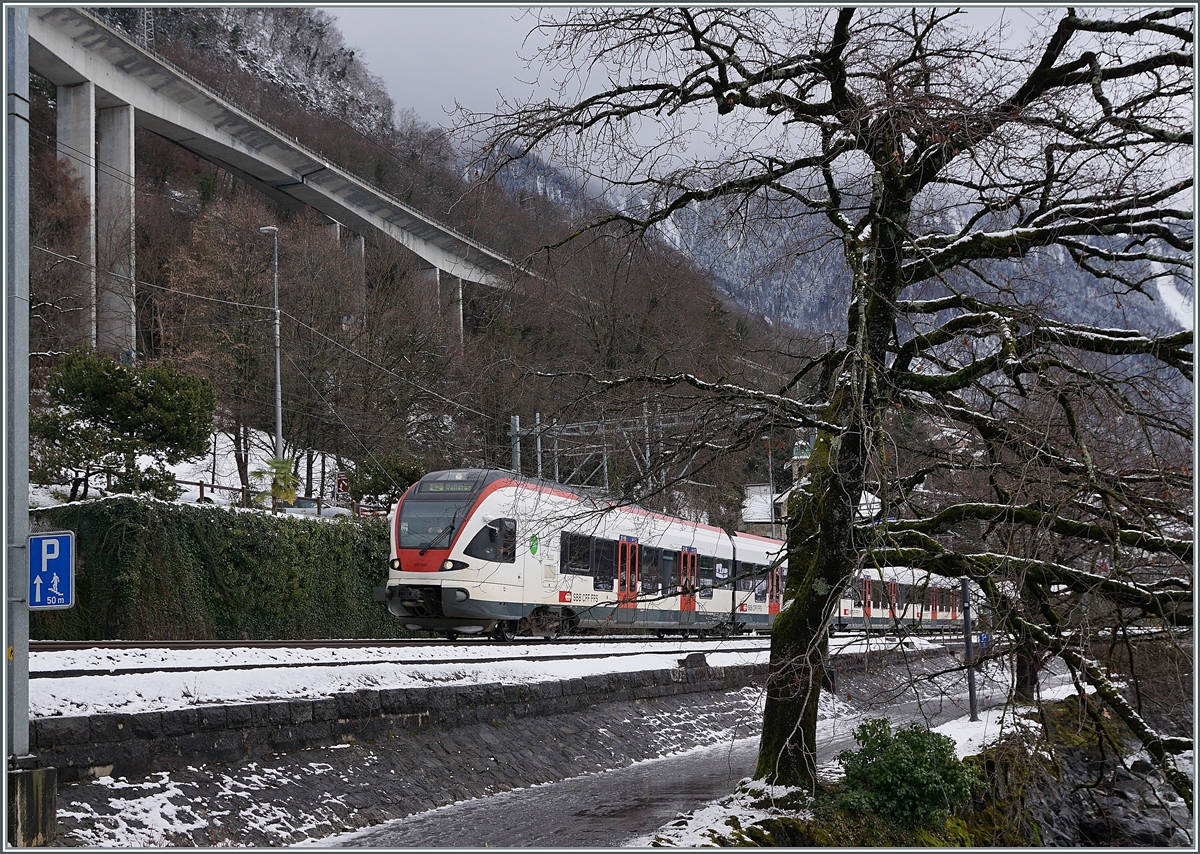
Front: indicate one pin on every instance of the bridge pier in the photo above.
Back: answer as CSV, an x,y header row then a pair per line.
x,y
77,151
355,247
116,312
97,148
451,308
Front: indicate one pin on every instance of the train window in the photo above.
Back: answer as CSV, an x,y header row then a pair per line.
x,y
605,554
760,590
651,579
745,575
669,572
721,571
497,540
704,576
575,556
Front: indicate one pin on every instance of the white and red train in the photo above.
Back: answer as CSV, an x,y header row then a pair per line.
x,y
479,551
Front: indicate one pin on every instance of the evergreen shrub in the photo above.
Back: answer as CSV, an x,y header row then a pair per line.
x,y
912,775
151,570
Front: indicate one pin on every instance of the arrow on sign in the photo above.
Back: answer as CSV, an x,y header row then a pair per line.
x,y
37,588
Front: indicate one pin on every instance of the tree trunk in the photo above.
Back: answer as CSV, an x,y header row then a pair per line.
x,y
241,453
818,567
822,509
1026,677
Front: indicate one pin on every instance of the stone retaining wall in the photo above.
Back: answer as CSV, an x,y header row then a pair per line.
x,y
129,745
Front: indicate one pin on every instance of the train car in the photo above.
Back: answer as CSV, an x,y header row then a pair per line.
x,y
478,551
898,599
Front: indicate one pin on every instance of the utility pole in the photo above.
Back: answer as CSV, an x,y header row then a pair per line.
x,y
274,232
771,482
31,793
969,653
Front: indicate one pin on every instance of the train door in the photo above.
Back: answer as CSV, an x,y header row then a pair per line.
x,y
774,589
627,579
934,593
950,594
687,585
866,599
891,599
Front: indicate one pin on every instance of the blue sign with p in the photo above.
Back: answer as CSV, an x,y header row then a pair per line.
x,y
51,571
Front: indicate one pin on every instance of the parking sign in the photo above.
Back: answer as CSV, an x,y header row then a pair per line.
x,y
51,571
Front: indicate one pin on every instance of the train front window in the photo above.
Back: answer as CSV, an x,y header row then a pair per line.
x,y
497,541
431,523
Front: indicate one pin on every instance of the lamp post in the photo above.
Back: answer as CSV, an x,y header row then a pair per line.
x,y
274,232
771,481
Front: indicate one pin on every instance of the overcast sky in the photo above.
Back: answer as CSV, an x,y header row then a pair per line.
x,y
428,56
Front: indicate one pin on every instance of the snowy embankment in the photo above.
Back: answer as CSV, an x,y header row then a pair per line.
x,y
200,677
182,678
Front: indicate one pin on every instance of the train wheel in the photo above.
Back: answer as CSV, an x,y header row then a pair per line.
x,y
504,632
450,636
545,624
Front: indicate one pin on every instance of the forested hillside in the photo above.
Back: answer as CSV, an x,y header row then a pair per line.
x,y
372,366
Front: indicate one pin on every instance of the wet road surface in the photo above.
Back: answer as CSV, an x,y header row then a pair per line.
x,y
618,807
599,810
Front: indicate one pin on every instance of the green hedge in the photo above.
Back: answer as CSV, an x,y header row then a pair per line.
x,y
151,570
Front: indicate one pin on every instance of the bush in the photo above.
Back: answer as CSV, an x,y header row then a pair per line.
x,y
154,481
912,775
149,570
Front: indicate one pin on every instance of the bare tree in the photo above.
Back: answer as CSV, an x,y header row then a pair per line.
x,y
992,197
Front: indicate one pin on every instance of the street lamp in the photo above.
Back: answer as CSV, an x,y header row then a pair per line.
x,y
274,232
771,481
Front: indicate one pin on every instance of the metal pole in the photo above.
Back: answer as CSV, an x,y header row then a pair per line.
x,y
771,481
969,655
515,427
16,383
646,425
274,232
537,425
604,441
557,479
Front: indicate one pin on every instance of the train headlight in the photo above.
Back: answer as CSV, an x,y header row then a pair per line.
x,y
395,564
451,565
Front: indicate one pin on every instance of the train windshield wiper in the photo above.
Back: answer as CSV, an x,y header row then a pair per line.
x,y
447,532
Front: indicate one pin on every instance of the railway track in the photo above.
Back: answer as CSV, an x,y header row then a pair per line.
x,y
357,643
544,652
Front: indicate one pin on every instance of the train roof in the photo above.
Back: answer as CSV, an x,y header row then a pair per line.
x,y
481,478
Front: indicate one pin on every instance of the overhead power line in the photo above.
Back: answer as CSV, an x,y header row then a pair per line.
x,y
293,318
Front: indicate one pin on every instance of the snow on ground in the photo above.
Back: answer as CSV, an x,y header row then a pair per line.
x,y
149,811
752,801
218,466
314,673
308,673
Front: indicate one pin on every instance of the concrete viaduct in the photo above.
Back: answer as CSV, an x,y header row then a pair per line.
x,y
107,85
